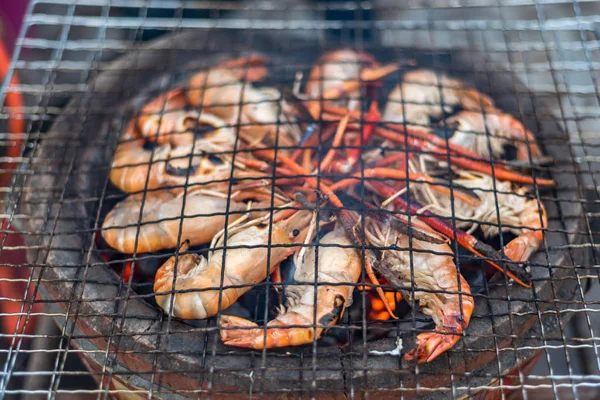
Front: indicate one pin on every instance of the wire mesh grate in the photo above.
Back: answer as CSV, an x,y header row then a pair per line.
x,y
68,299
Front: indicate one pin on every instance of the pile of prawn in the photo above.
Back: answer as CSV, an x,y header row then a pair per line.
x,y
227,162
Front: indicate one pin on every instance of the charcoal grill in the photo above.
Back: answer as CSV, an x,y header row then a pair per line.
x,y
61,194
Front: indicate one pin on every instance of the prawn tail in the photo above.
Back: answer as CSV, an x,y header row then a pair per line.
x,y
453,320
240,332
521,248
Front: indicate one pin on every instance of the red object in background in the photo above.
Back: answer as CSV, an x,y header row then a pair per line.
x,y
13,278
11,19
16,123
13,288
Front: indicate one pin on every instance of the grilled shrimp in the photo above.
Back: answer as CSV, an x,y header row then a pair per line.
x,y
159,223
133,164
336,265
520,215
228,93
437,283
192,165
165,119
243,266
471,129
333,69
424,95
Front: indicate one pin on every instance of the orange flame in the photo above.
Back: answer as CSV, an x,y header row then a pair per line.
x,y
377,310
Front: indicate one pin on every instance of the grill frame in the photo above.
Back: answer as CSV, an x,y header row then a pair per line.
x,y
388,372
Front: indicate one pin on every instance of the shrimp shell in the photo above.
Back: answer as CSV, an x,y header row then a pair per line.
x,y
333,69
135,168
198,282
473,128
161,220
338,265
425,94
227,93
163,119
506,205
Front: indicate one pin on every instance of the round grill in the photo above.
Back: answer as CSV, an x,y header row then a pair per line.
x,y
128,339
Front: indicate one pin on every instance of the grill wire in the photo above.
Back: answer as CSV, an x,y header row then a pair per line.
x,y
551,45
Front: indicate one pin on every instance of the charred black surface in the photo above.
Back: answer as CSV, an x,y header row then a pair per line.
x,y
200,129
177,171
215,160
149,146
445,131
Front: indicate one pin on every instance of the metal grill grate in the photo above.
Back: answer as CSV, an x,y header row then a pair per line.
x,y
519,343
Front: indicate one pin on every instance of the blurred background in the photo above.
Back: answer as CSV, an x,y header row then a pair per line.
x,y
559,361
